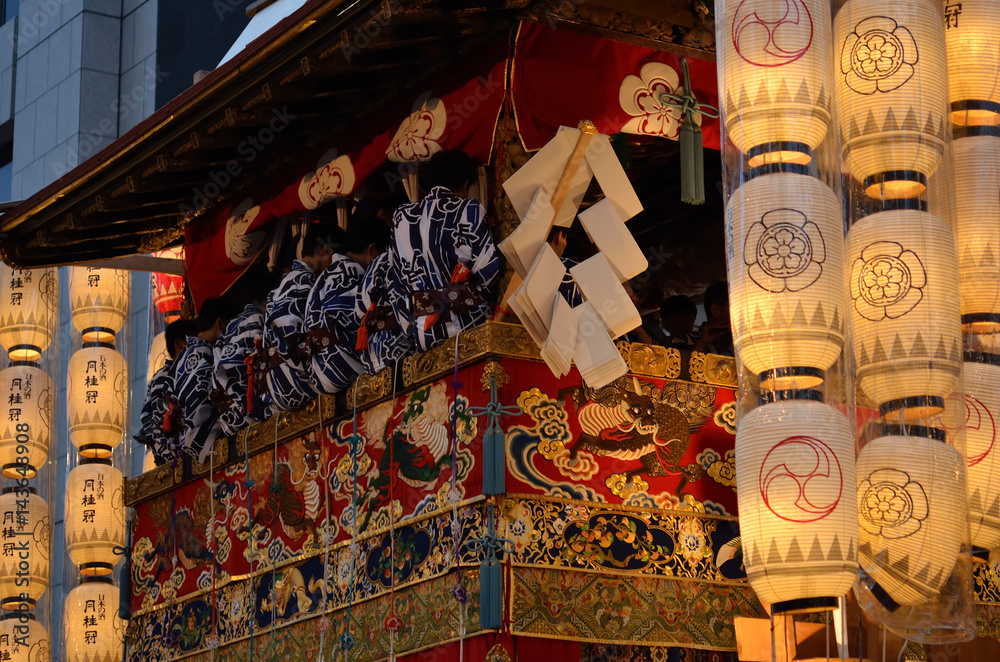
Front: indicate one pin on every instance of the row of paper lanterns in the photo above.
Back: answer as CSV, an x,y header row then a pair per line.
x,y
876,81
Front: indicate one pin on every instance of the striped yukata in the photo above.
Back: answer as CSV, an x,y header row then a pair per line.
x,y
288,384
236,343
448,263
164,445
193,383
381,307
331,325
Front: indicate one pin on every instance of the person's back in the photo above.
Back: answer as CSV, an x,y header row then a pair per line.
x,y
241,338
446,255
381,308
159,421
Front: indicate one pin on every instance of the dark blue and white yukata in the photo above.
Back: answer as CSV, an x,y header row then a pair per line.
x,y
193,383
232,382
165,445
568,288
331,326
448,263
382,309
289,385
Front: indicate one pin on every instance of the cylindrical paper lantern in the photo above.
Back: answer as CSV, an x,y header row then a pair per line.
x,y
795,483
95,516
982,423
26,428
972,35
99,301
891,93
28,308
97,385
92,630
148,461
912,515
168,289
23,639
976,202
24,563
157,355
775,61
906,333
786,281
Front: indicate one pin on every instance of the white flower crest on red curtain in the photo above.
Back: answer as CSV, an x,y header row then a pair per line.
x,y
417,137
639,96
241,246
332,179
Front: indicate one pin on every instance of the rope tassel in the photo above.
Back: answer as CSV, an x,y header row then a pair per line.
x,y
491,546
691,143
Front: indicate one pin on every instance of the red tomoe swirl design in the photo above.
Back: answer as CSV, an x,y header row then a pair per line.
x,y
979,419
787,34
801,480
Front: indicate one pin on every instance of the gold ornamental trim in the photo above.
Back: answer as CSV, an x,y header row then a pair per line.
x,y
492,338
713,369
652,360
370,389
218,458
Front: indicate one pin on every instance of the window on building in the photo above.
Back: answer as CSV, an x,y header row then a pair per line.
x,y
9,11
6,161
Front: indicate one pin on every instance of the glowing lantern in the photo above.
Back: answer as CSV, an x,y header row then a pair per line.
x,y
95,516
27,515
92,630
891,92
26,428
168,289
158,356
972,35
97,394
982,423
774,67
906,334
23,639
29,304
794,480
786,281
911,514
99,301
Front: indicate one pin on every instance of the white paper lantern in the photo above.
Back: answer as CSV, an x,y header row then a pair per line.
x,y
976,202
795,483
24,560
25,432
148,462
982,424
95,517
906,335
972,35
891,93
775,61
158,356
29,301
99,302
97,386
92,630
786,279
23,639
912,513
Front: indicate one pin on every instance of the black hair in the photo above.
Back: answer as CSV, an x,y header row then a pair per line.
x,y
319,235
451,169
717,294
364,230
678,304
212,310
178,330
555,231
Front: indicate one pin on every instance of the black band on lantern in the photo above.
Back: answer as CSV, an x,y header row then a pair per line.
x,y
96,569
768,397
982,357
7,602
34,349
775,168
16,470
99,450
917,401
105,345
781,146
880,179
981,318
794,371
19,614
902,204
804,605
96,460
923,431
974,130
89,579
24,364
878,592
19,490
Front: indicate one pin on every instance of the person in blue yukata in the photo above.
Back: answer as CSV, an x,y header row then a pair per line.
x,y
233,392
445,253
331,324
159,420
383,313
289,383
193,380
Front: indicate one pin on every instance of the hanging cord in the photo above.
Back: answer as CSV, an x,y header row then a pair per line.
x,y
213,640
274,540
324,620
690,138
453,496
902,651
392,622
253,546
347,639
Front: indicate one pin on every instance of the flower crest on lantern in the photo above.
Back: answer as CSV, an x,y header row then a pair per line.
x,y
892,505
878,56
887,281
784,250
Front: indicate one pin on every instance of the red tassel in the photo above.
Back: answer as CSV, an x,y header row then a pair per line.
x,y
248,361
168,418
362,343
459,274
